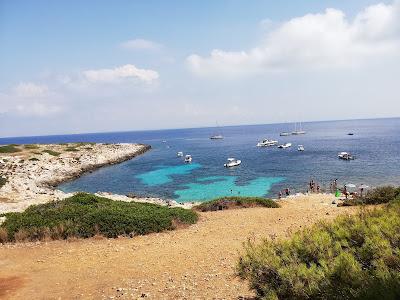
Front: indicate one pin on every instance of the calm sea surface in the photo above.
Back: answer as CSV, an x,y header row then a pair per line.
x,y
263,172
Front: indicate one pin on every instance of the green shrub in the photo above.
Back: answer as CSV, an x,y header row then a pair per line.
x,y
31,146
85,215
72,149
383,194
3,181
51,152
9,149
34,159
235,202
356,257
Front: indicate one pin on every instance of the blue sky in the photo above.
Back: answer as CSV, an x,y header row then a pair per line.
x,y
86,66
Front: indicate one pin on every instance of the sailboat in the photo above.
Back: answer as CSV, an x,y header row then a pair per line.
x,y
216,136
299,130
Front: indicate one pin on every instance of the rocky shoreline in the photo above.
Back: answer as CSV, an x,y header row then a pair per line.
x,y
33,171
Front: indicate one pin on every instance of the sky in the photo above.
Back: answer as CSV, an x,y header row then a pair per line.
x,y
93,66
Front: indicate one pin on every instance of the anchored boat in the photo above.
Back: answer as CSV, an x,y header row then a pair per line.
x,y
267,143
188,158
232,162
345,156
284,146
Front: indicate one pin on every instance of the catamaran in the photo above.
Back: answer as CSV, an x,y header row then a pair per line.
x,y
267,143
232,162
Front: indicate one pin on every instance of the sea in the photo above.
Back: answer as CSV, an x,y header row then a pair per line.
x,y
264,171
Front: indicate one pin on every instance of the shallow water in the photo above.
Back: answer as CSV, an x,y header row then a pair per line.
x,y
263,172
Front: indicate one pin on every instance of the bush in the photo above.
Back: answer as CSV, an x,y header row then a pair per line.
x,y
34,159
382,194
31,146
355,257
85,215
3,181
71,149
235,202
51,152
9,149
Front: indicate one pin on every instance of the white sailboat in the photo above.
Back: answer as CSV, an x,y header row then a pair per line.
x,y
217,136
299,130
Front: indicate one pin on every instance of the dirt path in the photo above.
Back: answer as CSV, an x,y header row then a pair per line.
x,y
192,263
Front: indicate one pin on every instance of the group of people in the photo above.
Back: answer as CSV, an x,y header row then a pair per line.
x,y
285,192
313,187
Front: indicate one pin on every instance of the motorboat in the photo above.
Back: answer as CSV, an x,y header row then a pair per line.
x,y
216,137
300,148
188,158
345,156
179,154
232,162
284,146
267,143
350,133
285,134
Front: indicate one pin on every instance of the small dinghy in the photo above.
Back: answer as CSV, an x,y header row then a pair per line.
x,y
188,158
179,154
232,162
300,148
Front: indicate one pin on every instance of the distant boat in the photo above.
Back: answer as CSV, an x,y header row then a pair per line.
x,y
300,148
284,146
217,136
188,158
267,143
179,154
345,156
285,133
350,133
298,131
232,162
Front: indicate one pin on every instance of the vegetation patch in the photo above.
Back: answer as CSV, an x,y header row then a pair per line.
x,y
3,181
72,149
355,257
235,202
34,159
51,152
9,149
85,215
31,146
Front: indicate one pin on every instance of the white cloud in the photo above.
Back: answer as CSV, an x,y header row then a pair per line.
x,y
38,109
313,41
140,44
31,90
118,74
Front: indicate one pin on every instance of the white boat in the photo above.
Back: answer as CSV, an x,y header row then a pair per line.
x,y
188,158
267,143
284,146
345,156
179,154
298,131
216,137
300,148
285,134
232,162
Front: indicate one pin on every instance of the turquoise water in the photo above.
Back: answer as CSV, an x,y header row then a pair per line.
x,y
165,174
218,186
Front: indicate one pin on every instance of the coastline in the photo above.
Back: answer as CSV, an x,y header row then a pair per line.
x,y
33,172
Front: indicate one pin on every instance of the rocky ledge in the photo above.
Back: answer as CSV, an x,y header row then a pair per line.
x,y
32,172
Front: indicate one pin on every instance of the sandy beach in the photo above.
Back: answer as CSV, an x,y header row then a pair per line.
x,y
189,263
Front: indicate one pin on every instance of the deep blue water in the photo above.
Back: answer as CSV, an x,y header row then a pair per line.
x,y
263,172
